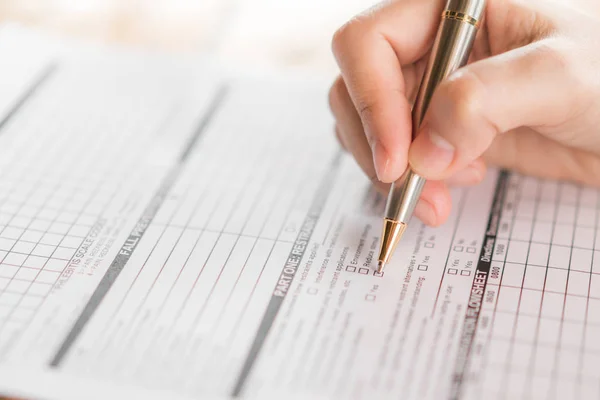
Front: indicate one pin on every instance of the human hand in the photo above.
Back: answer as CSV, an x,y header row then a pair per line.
x,y
529,99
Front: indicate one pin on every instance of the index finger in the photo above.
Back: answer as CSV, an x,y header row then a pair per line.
x,y
370,51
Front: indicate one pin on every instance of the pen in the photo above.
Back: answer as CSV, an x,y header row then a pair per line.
x,y
460,21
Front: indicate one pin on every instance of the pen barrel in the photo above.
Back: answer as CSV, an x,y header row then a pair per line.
x,y
451,49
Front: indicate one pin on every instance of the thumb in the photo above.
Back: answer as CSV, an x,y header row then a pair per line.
x,y
528,86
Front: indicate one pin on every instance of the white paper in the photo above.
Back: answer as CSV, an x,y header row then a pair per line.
x,y
170,232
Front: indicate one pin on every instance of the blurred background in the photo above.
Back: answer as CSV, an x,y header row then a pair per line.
x,y
281,34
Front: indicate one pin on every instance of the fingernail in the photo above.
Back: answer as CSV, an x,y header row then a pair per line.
x,y
425,212
381,160
431,154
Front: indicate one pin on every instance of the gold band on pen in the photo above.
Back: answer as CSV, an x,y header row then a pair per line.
x,y
458,16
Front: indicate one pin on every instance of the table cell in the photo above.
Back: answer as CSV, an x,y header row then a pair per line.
x,y
584,237
572,335
559,257
556,280
517,252
530,302
526,329
581,260
513,274
575,308
522,229
508,299
563,234
552,305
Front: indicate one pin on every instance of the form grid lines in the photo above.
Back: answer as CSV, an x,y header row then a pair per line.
x,y
90,197
582,349
153,247
565,283
555,372
516,324
188,189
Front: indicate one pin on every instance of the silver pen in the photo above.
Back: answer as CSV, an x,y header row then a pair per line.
x,y
460,21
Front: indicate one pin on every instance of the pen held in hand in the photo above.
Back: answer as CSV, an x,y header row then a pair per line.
x,y
460,21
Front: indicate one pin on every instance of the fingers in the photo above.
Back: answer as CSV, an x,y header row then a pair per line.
x,y
523,87
434,206
370,51
435,203
472,175
528,152
349,129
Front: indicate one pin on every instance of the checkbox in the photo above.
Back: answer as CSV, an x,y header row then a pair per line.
x,y
422,267
465,272
429,245
350,268
452,271
458,248
370,297
312,290
376,273
471,249
364,271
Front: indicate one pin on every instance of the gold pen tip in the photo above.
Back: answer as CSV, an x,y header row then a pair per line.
x,y
392,232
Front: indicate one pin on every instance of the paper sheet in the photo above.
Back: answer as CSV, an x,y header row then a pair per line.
x,y
169,232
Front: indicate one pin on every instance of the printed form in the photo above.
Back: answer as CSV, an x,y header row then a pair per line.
x,y
169,232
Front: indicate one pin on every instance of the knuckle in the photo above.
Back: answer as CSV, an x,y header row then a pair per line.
x,y
346,35
340,38
366,109
463,95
